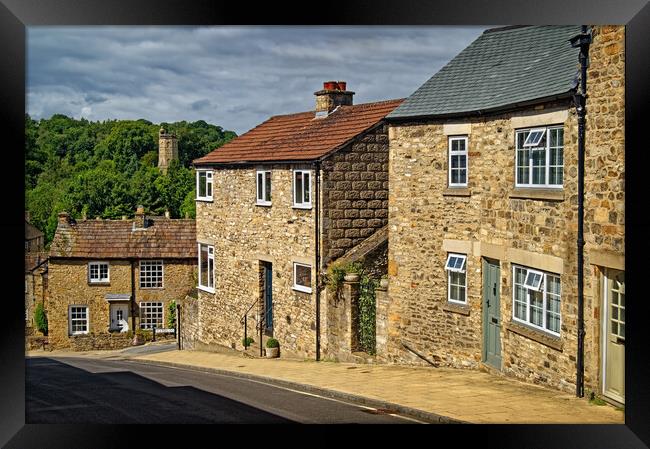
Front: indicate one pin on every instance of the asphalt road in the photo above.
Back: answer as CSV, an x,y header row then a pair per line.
x,y
79,390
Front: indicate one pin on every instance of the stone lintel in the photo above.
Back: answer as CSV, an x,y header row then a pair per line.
x,y
453,129
305,260
608,259
457,246
537,194
491,250
264,258
535,335
540,261
532,119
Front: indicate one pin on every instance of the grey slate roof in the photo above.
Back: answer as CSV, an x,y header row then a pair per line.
x,y
502,67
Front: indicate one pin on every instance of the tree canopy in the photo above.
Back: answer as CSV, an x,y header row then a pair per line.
x,y
105,169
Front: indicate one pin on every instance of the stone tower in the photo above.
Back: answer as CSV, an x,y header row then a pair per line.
x,y
167,149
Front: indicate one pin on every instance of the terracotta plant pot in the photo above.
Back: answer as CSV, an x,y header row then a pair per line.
x,y
272,353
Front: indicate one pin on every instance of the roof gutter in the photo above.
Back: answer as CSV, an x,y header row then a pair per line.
x,y
480,112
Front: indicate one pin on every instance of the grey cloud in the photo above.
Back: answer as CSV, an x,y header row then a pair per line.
x,y
180,73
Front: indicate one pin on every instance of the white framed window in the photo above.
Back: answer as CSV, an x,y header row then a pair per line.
x,y
204,185
78,319
302,277
151,313
539,308
458,161
263,187
533,279
206,267
302,189
456,278
98,272
151,274
539,159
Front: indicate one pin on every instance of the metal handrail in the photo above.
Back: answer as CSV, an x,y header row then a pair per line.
x,y
259,326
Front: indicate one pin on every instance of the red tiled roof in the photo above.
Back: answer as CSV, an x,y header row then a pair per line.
x,y
300,136
116,239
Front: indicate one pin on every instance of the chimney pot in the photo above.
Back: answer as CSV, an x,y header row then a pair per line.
x,y
333,95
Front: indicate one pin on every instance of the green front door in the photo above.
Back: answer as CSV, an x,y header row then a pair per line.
x,y
491,314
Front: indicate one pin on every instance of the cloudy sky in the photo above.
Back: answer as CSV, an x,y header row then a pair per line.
x,y
235,77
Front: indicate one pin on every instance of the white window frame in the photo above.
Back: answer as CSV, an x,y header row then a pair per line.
x,y
458,153
529,282
534,143
530,147
207,288
147,306
209,181
162,273
453,269
87,319
301,288
262,201
304,204
99,280
451,256
545,301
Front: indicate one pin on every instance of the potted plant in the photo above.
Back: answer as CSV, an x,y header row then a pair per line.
x,y
138,338
352,272
248,341
272,348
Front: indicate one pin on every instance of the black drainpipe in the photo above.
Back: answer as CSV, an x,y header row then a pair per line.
x,y
582,40
317,247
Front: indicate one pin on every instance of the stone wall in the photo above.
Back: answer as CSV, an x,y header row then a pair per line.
x,y
68,285
189,321
355,192
243,235
493,219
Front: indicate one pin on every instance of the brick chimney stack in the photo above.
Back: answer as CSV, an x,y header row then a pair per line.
x,y
167,149
332,95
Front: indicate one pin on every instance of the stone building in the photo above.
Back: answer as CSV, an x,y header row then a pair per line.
x,y
35,272
277,205
167,149
483,215
108,277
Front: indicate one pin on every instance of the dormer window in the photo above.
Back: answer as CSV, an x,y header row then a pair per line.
x,y
204,185
263,188
302,189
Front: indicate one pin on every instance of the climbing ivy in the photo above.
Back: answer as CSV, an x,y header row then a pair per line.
x,y
367,309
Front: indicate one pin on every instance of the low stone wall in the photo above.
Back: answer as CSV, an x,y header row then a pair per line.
x,y
91,342
33,342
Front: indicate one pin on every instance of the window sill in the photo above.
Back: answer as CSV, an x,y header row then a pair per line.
x,y
463,309
206,200
263,204
301,289
531,193
301,207
536,335
205,289
457,191
100,284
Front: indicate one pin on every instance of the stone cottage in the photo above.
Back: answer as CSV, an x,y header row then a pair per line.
x,y
108,277
483,215
275,206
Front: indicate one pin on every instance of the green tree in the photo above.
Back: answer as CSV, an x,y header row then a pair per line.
x,y
40,318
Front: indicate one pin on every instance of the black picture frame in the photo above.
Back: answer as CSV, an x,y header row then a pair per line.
x,y
15,15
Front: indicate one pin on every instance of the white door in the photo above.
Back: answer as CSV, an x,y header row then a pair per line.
x,y
614,336
119,316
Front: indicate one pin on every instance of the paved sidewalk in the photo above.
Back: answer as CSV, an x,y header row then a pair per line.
x,y
463,395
